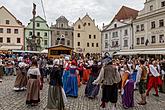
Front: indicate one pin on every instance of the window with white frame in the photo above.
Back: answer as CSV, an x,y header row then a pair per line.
x,y
106,36
142,27
125,43
161,38
137,28
106,44
137,41
163,4
125,32
142,40
115,34
153,39
152,24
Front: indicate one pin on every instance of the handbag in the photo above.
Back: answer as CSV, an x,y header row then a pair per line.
x,y
159,81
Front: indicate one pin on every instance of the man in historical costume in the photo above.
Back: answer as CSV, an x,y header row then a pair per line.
x,y
110,78
142,81
154,73
56,95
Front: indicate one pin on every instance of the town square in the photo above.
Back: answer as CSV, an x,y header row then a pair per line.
x,y
82,55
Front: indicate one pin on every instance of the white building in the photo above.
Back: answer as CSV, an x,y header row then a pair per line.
x,y
118,35
149,27
11,31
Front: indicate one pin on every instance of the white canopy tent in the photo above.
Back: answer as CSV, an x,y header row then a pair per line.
x,y
44,51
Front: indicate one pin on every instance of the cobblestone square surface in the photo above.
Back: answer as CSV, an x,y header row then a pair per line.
x,y
11,100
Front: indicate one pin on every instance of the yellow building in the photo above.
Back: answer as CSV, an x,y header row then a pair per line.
x,y
87,36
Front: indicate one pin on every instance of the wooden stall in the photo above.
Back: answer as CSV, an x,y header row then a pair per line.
x,y
57,51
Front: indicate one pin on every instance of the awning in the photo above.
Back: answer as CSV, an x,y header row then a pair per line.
x,y
22,51
9,47
154,52
44,51
146,52
126,53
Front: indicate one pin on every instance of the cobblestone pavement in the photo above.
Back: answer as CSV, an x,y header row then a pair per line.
x,y
11,100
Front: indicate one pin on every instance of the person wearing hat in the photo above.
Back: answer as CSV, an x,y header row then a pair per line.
x,y
109,77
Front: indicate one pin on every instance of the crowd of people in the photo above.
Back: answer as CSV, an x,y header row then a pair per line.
x,y
114,76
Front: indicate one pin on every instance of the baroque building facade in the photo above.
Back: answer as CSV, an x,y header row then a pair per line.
x,y
11,31
62,33
87,36
149,27
118,35
42,31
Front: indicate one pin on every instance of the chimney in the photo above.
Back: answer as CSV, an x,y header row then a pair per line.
x,y
94,21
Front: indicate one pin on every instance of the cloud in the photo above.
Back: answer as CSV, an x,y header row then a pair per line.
x,y
101,10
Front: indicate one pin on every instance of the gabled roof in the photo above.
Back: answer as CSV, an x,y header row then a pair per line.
x,y
3,7
62,18
39,18
59,46
123,14
87,16
126,13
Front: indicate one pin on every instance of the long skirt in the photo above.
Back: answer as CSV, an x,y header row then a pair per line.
x,y
91,90
163,86
65,79
86,74
128,96
55,98
110,93
21,81
72,86
33,91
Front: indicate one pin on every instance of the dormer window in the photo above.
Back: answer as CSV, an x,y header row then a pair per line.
x,y
79,26
62,25
151,8
38,24
115,25
85,24
163,4
7,22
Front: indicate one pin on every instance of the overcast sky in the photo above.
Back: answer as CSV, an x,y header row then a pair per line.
x,y
101,10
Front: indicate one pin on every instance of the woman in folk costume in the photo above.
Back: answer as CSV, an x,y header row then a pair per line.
x,y
21,78
154,73
86,72
110,78
56,95
127,88
91,90
81,69
33,85
72,83
66,72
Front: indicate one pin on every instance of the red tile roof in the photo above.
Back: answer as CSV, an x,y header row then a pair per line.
x,y
126,13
